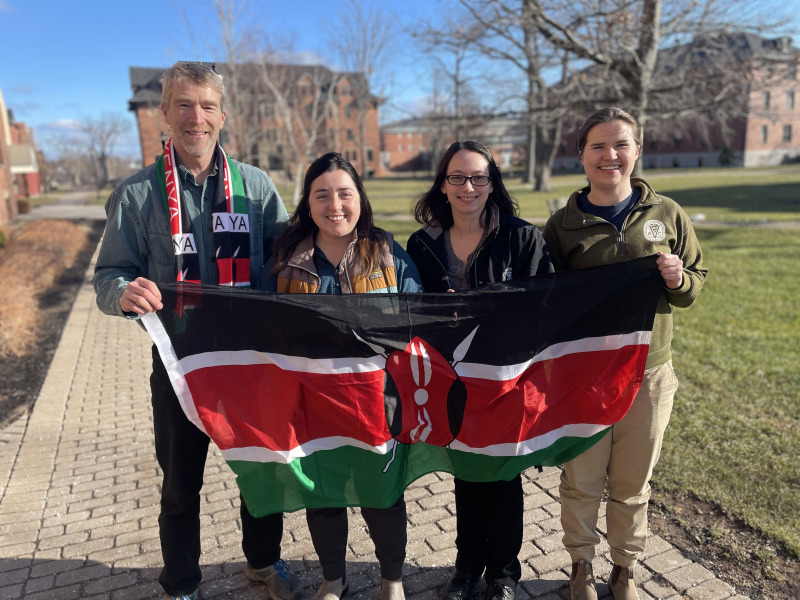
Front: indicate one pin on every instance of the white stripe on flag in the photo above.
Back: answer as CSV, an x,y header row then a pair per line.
x,y
592,344
345,365
265,455
173,366
323,366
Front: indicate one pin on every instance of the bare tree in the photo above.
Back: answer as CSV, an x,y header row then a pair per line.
x,y
678,62
453,108
101,133
302,100
277,112
502,33
362,37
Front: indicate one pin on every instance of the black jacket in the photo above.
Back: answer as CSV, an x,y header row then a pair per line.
x,y
513,250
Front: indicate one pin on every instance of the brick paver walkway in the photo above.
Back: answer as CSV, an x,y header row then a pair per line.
x,y
80,491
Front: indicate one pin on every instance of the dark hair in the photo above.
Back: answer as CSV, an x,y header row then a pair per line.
x,y
606,115
199,73
433,208
370,238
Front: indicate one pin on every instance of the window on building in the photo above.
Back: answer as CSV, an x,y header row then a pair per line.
x,y
787,134
349,134
678,141
411,147
763,134
369,154
789,100
791,70
399,147
766,99
654,143
347,111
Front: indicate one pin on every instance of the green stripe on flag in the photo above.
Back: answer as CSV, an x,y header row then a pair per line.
x,y
349,476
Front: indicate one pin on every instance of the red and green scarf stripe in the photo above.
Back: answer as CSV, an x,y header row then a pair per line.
x,y
230,222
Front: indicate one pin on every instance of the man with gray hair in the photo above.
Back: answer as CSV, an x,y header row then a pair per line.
x,y
170,222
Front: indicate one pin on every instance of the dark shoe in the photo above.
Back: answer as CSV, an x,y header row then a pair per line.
x,y
621,584
581,582
499,591
460,587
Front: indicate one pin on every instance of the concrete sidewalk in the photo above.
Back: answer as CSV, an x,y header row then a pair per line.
x,y
80,494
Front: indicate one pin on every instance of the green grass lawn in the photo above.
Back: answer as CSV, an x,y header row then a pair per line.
x,y
734,437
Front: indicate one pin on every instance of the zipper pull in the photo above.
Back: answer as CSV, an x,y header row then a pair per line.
x,y
620,245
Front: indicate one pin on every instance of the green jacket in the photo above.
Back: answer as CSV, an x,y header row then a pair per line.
x,y
655,224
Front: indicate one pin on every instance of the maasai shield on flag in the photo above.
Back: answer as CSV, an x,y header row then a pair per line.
x,y
323,400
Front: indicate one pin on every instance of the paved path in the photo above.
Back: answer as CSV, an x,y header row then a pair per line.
x,y
71,205
79,492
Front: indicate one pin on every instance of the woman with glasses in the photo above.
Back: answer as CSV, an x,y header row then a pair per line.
x,y
472,238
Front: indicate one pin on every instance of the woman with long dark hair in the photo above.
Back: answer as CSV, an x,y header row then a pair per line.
x,y
331,246
472,237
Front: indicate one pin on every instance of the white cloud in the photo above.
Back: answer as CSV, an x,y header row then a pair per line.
x,y
60,125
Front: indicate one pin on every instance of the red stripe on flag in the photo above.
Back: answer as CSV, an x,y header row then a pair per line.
x,y
266,406
586,387
262,405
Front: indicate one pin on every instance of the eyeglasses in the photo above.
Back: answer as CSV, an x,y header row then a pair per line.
x,y
476,180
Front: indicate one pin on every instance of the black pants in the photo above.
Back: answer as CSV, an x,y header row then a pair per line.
x,y
489,529
181,450
387,528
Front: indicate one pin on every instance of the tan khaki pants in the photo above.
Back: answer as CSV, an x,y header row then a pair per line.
x,y
624,460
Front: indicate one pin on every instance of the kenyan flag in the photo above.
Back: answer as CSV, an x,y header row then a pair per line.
x,y
321,400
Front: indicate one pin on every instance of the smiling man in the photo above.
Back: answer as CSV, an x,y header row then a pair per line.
x,y
177,220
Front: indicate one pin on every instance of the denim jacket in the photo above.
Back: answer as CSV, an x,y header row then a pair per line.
x,y
137,240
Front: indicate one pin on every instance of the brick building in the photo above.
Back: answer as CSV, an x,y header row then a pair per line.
x,y
418,144
323,109
23,161
767,132
8,197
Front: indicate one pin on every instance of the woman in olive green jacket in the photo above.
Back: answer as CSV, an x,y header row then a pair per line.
x,y
617,218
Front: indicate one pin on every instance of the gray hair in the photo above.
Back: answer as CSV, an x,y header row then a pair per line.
x,y
199,73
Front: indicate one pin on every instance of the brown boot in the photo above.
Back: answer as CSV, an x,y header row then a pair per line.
x,y
581,582
621,584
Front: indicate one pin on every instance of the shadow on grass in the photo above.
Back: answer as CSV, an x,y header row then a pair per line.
x,y
779,197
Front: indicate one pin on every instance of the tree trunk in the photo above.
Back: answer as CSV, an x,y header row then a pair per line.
x,y
297,190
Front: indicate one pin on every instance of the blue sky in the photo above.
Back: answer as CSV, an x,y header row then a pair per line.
x,y
66,60
62,61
